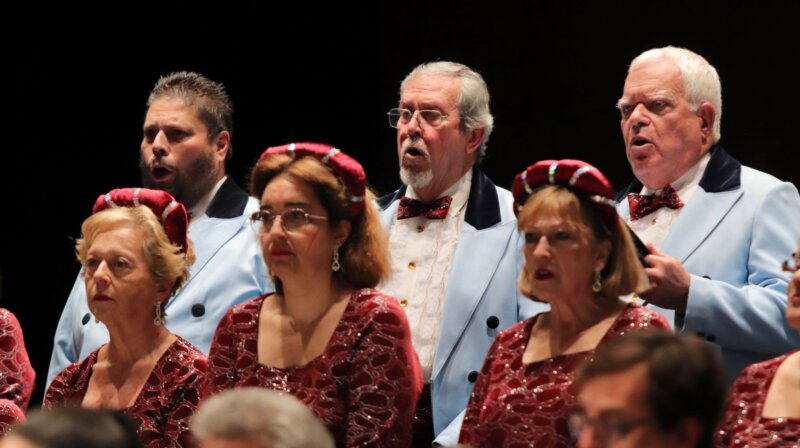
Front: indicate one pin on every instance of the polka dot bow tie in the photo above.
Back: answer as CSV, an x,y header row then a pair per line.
x,y
642,205
410,208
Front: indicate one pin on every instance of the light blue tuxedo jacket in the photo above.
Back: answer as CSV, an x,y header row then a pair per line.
x,y
229,269
732,237
482,284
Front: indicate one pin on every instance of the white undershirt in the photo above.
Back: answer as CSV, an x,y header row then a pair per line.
x,y
654,228
421,257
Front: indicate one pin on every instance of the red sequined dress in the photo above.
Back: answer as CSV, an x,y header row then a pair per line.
x,y
165,405
16,374
743,425
364,386
526,405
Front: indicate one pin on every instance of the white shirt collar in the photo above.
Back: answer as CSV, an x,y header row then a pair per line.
x,y
202,205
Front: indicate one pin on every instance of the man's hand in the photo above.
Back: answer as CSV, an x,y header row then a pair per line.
x,y
669,281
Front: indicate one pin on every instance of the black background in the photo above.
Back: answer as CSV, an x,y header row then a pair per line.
x,y
80,77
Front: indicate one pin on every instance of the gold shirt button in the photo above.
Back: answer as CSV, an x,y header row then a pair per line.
x,y
412,265
404,303
420,228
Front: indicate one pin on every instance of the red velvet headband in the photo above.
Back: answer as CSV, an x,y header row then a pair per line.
x,y
347,169
170,212
576,175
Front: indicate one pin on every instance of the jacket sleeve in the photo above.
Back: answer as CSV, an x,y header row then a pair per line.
x,y
750,317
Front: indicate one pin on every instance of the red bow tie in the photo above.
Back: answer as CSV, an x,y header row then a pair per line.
x,y
410,208
642,205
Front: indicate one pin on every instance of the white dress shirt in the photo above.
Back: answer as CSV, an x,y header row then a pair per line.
x,y
421,256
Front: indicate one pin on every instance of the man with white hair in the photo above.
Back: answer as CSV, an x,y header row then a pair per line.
x,y
254,417
717,230
455,249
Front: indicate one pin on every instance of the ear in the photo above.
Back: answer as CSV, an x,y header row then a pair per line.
x,y
222,143
475,137
707,115
601,254
342,231
164,290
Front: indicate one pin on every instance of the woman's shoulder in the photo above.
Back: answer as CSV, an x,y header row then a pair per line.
x,y
8,319
760,373
249,306
185,351
181,364
373,301
73,380
519,329
636,316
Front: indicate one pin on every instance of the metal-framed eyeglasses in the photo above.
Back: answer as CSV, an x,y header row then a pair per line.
x,y
431,117
606,429
291,219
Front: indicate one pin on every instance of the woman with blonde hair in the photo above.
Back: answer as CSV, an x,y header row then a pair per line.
x,y
579,258
135,254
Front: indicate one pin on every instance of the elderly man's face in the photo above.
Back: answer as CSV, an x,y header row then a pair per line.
x,y
432,158
617,414
663,136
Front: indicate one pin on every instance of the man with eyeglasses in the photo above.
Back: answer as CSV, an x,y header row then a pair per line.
x,y
186,143
649,389
455,251
717,230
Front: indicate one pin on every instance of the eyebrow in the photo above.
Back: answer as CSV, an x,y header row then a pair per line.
x,y
287,205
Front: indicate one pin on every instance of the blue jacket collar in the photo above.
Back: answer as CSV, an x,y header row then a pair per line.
x,y
723,173
229,202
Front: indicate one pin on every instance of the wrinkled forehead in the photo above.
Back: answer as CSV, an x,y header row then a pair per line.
x,y
653,77
431,90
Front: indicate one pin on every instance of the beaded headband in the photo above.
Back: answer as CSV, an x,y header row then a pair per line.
x,y
171,213
576,175
347,169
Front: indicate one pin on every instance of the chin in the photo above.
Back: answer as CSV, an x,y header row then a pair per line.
x,y
416,180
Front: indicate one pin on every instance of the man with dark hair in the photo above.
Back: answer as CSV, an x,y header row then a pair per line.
x,y
650,389
186,141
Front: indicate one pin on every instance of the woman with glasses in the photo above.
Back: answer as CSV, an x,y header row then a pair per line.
x,y
763,406
135,254
324,336
579,258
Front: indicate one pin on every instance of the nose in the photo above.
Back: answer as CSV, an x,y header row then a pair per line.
x,y
101,274
160,144
275,230
639,116
542,248
414,126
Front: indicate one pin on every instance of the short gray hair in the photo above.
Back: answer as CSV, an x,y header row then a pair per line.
x,y
275,419
701,82
473,99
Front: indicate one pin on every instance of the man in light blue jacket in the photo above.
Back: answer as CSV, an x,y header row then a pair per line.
x,y
455,250
186,142
718,231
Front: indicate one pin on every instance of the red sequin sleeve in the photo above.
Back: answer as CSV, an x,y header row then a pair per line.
x,y
221,373
385,380
16,374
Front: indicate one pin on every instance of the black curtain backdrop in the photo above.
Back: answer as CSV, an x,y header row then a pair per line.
x,y
80,78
